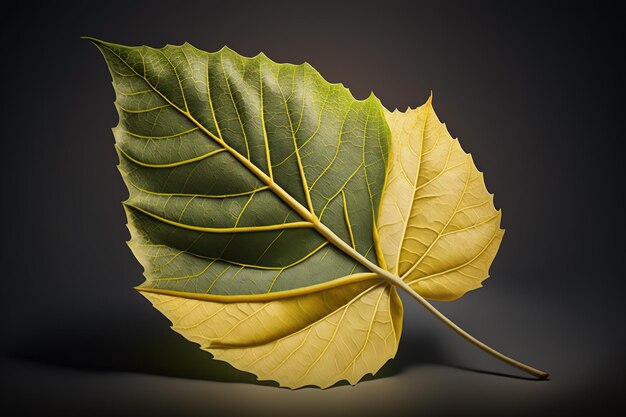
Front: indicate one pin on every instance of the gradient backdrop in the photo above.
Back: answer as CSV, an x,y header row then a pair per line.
x,y
533,91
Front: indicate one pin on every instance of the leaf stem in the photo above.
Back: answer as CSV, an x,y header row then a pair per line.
x,y
526,368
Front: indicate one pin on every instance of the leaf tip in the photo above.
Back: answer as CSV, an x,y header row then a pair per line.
x,y
97,42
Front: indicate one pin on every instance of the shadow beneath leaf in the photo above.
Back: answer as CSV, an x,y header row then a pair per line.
x,y
500,374
415,349
148,346
424,348
151,347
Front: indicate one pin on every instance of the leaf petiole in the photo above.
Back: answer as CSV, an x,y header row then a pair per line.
x,y
526,368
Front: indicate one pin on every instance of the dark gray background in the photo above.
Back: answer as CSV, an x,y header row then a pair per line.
x,y
533,91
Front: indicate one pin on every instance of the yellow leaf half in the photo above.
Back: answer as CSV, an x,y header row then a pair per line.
x,y
439,230
319,336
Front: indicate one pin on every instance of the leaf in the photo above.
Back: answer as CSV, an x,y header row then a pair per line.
x,y
438,228
254,196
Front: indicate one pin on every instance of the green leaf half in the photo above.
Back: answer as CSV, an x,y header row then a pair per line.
x,y
232,162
